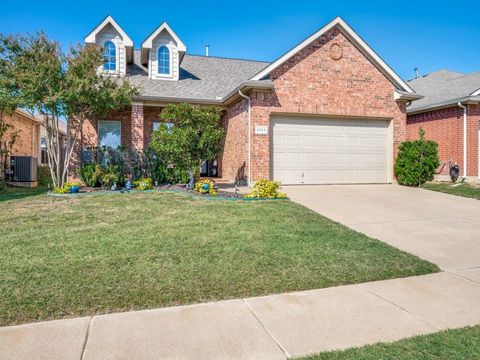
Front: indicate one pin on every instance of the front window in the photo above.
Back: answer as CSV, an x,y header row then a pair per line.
x,y
109,56
109,134
156,126
163,60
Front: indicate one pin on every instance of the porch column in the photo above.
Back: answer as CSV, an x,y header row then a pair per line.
x,y
137,127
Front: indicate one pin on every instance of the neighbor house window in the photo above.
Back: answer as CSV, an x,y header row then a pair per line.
x,y
109,56
109,134
163,60
43,151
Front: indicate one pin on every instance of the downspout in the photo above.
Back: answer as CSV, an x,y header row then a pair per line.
x,y
464,139
249,161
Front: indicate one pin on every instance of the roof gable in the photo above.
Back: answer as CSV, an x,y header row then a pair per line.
x,y
147,43
91,37
352,36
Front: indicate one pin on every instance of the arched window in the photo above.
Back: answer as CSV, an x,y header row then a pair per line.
x,y
163,60
109,56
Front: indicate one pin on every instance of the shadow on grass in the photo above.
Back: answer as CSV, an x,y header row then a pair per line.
x,y
16,193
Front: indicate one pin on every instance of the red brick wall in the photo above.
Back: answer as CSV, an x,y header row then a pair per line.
x,y
26,143
233,163
445,126
311,82
151,114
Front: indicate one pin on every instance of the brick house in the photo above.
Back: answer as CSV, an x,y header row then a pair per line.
x,y
31,135
450,115
328,111
31,138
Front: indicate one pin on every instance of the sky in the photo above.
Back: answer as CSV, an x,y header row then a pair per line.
x,y
429,35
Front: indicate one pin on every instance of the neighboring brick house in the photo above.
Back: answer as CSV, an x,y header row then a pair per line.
x,y
328,111
27,129
30,135
450,115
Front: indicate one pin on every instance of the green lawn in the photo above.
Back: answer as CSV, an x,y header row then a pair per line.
x,y
465,190
11,193
65,257
459,344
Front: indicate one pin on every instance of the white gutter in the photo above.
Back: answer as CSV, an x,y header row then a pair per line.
x,y
464,139
249,136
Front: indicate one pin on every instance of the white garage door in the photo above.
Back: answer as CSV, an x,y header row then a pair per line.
x,y
329,151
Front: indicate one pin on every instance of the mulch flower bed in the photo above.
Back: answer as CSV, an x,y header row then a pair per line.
x,y
176,188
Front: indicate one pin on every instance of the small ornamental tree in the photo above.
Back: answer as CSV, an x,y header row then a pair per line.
x,y
196,136
59,85
416,161
8,104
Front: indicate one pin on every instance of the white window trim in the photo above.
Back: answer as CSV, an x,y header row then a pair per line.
x,y
170,54
117,58
110,121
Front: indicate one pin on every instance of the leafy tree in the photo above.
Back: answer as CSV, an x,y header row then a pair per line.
x,y
196,136
416,161
57,84
8,104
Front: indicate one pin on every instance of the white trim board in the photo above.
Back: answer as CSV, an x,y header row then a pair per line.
x,y
90,38
147,43
475,93
352,35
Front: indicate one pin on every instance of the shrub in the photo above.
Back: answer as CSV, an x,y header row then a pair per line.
x,y
112,175
143,184
205,186
43,176
91,174
131,163
416,161
3,186
266,189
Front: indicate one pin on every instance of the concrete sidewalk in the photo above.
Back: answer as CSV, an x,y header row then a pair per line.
x,y
269,327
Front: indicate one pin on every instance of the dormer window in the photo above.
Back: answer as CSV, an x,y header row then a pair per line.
x,y
109,56
163,61
162,53
117,47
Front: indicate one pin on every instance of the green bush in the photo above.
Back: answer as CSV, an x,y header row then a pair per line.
x,y
43,176
131,163
266,189
416,161
113,175
143,184
91,174
3,186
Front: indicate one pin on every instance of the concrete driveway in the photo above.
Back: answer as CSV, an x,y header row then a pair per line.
x,y
441,228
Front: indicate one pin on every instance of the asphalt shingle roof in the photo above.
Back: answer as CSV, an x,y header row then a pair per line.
x,y
443,86
201,77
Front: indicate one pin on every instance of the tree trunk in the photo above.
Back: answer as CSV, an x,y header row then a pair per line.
x,y
191,178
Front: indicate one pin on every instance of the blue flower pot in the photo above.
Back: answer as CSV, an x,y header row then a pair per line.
x,y
205,187
74,189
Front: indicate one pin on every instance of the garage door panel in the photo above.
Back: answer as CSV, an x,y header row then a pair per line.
x,y
325,151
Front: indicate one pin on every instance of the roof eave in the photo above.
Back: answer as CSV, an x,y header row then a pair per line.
x,y
226,100
405,96
444,104
167,100
247,86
